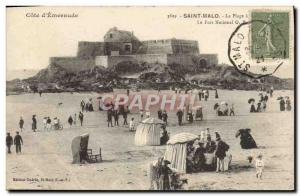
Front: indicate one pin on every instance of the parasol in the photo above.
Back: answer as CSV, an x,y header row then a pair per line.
x,y
223,103
251,100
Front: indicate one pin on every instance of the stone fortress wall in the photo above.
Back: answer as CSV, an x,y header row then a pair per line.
x,y
120,46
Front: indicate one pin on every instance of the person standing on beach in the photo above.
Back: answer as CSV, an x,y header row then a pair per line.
x,y
206,95
127,92
220,152
109,117
21,123
282,105
159,114
70,120
80,116
165,117
48,124
45,123
200,94
259,165
148,114
179,116
288,104
116,117
231,110
18,142
125,112
101,104
216,94
9,142
82,105
131,125
34,122
141,114
164,172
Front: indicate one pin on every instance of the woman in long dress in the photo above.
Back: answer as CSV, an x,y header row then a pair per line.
x,y
288,104
282,105
164,171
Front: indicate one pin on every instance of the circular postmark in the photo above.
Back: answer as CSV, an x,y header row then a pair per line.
x,y
257,48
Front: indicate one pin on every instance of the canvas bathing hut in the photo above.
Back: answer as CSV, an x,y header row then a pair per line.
x,y
79,144
148,132
176,151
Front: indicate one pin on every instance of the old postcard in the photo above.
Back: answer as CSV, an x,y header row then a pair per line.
x,y
150,98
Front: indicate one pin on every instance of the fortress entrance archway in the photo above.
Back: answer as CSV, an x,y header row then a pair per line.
x,y
203,63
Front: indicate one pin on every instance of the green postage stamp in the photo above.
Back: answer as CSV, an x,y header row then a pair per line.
x,y
270,35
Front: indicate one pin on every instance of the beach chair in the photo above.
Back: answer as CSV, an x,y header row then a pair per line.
x,y
198,113
94,158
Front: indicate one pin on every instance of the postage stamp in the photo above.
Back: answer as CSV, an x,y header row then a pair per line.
x,y
260,46
270,37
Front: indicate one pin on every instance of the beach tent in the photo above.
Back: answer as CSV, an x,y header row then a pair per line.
x,y
79,143
176,151
148,132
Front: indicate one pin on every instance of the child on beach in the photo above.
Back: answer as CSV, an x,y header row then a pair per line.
x,y
45,123
231,110
131,124
259,165
147,114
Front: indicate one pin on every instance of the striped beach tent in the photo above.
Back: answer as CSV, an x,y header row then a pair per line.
x,y
148,132
176,151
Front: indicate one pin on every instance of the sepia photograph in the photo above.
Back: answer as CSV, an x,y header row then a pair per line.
x,y
150,98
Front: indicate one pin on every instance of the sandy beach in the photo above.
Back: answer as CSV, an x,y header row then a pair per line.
x,y
45,162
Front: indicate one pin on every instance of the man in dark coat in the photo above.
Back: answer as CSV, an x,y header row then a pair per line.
x,y
18,142
34,122
210,146
200,94
159,114
116,117
220,152
247,141
125,116
199,157
252,108
80,116
70,120
179,116
216,94
21,123
9,142
165,116
282,105
164,172
109,117
164,137
258,109
82,105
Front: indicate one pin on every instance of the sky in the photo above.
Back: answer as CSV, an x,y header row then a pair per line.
x,y
31,40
